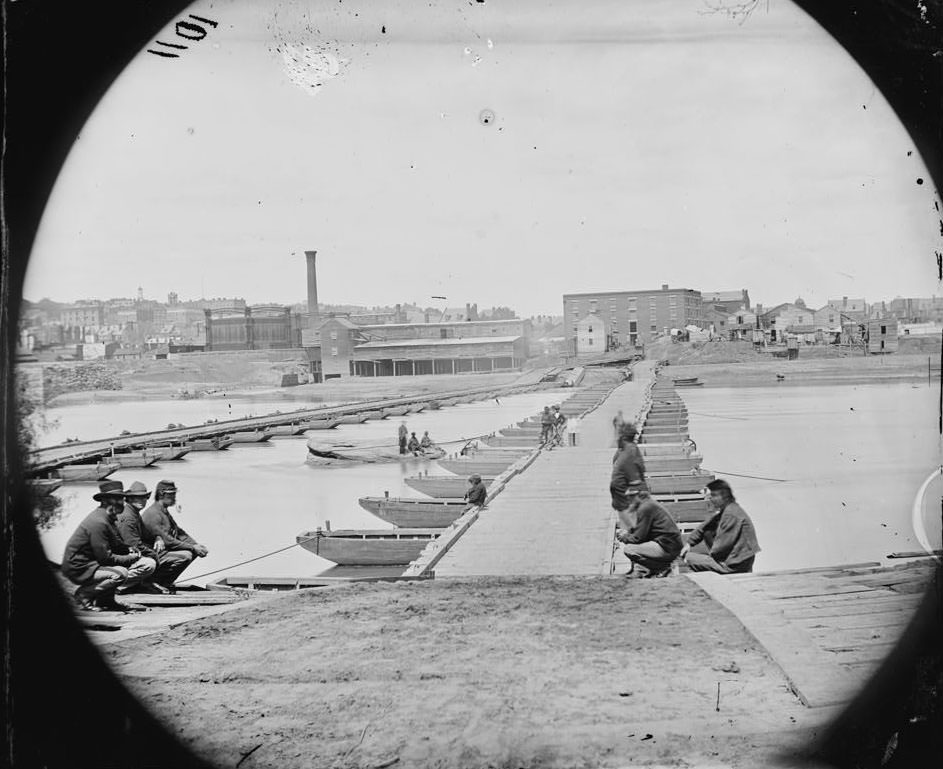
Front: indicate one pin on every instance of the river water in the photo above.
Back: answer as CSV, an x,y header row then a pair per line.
x,y
835,471
253,499
847,463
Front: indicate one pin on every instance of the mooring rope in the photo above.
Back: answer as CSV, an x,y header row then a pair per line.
x,y
243,563
741,475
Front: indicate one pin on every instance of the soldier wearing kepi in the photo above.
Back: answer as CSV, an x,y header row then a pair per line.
x,y
135,535
98,560
172,542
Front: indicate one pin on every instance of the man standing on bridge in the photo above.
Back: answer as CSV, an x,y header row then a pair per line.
x,y
160,524
728,534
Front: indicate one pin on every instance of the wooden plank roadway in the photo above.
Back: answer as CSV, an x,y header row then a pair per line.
x,y
827,628
555,517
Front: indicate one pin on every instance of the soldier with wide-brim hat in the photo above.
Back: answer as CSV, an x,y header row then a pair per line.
x,y
176,548
135,535
98,560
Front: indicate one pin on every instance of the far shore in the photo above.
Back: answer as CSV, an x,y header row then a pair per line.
x,y
752,372
779,372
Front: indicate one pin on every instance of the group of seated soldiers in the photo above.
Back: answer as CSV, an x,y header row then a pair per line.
x,y
125,547
725,543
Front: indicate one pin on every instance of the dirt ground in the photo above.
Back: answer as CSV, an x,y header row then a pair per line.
x,y
512,672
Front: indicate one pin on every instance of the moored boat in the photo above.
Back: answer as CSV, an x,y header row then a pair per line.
x,y
375,414
133,458
465,466
169,453
396,411
415,408
251,436
368,547
216,443
295,428
327,423
448,486
43,487
331,452
687,483
415,513
86,472
351,419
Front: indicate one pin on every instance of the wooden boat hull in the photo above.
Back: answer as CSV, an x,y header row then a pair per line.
x,y
139,459
43,487
678,484
483,466
500,441
295,428
169,453
351,419
374,415
386,547
679,464
81,473
415,513
396,411
251,436
320,424
324,452
210,444
442,485
415,408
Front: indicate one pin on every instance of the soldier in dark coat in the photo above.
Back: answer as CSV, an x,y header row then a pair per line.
x,y
97,559
628,469
728,534
174,545
135,534
651,537
477,492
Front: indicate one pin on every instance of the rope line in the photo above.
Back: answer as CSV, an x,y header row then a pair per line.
x,y
756,477
243,563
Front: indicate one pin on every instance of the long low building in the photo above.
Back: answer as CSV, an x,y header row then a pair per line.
x,y
409,357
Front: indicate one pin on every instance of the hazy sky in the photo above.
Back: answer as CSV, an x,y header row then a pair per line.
x,y
633,144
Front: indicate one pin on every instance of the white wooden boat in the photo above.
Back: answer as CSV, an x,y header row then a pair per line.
x,y
415,513
448,486
351,419
251,436
465,466
368,547
141,458
169,453
216,443
43,487
333,452
320,424
295,428
87,472
678,484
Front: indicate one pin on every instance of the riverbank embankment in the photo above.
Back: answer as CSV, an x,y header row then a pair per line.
x,y
737,364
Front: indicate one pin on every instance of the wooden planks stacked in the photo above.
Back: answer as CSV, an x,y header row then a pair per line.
x,y
828,628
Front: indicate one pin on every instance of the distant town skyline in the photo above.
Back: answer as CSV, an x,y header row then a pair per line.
x,y
501,155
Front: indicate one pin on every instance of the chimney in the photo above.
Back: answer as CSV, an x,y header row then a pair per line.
x,y
312,289
664,286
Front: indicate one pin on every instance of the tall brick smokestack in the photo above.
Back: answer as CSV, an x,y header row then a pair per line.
x,y
312,288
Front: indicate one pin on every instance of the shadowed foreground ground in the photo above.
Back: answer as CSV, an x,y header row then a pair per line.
x,y
514,672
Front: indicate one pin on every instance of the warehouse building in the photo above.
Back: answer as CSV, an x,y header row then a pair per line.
x,y
632,318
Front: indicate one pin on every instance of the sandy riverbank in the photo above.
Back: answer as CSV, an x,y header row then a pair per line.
x,y
562,672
